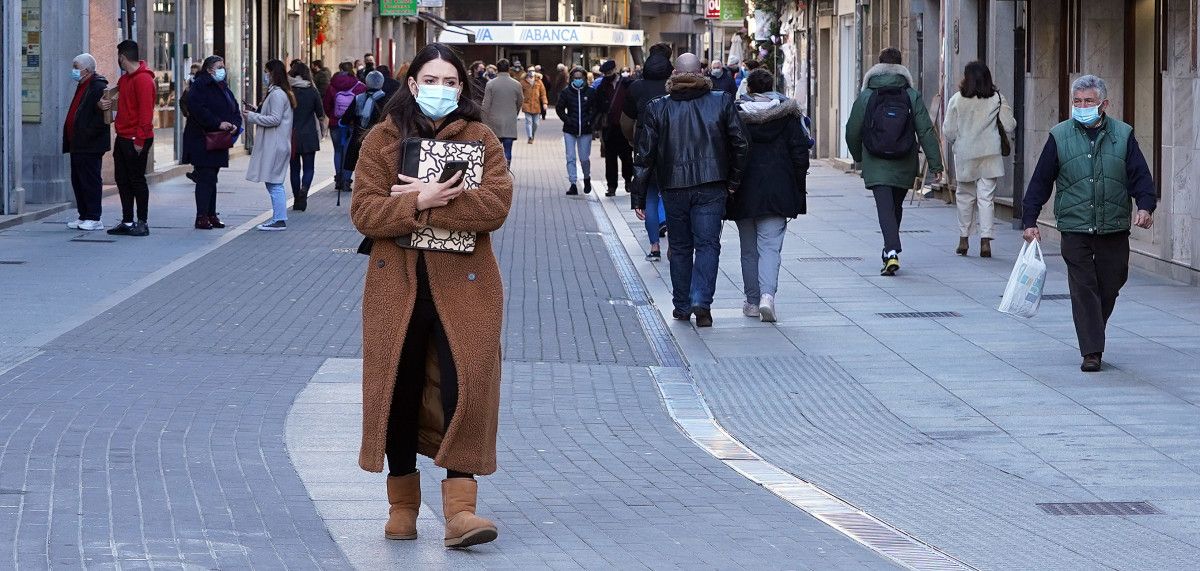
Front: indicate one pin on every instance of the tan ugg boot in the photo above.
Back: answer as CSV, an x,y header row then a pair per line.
x,y
463,527
404,495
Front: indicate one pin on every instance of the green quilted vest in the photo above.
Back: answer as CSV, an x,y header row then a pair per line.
x,y
1092,195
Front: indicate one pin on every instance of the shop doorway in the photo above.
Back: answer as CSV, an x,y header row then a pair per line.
x,y
1143,78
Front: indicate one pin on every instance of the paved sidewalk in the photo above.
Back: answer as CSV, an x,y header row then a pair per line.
x,y
954,428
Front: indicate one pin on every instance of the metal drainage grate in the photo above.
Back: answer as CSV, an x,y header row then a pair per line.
x,y
11,262
93,240
916,314
907,232
1056,296
1100,508
830,259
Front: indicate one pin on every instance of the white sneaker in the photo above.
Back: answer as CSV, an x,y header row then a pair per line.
x,y
766,308
91,225
74,225
749,309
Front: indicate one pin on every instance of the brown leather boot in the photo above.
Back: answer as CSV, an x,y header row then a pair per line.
x,y
463,527
404,495
216,221
962,246
203,223
985,248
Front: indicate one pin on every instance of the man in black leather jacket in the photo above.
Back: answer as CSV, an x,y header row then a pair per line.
x,y
694,146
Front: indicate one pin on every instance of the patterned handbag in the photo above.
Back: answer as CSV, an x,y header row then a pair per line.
x,y
427,160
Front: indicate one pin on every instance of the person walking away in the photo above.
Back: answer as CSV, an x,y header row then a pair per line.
x,y
321,76
502,101
722,79
273,142
339,97
614,146
86,138
213,109
135,138
773,188
653,84
972,116
576,108
886,122
390,85
534,103
308,125
1097,172
407,338
693,145
367,110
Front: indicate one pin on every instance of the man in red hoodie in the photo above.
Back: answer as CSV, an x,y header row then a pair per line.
x,y
135,136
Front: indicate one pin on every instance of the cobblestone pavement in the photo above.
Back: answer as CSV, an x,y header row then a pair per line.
x,y
953,429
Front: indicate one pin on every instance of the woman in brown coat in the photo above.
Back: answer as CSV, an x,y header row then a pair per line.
x,y
431,320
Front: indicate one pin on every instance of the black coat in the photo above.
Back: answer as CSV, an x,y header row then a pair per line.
x,y
727,83
775,180
577,110
359,129
306,127
691,137
652,85
209,104
92,135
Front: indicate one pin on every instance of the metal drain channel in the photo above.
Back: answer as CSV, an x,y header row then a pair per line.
x,y
689,410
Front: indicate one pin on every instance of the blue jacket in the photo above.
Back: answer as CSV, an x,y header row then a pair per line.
x,y
209,104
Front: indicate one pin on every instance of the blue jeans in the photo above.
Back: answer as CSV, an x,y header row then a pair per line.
x,y
531,124
694,223
656,213
507,142
340,136
578,148
302,171
278,201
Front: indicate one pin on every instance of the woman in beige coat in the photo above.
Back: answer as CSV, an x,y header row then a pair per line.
x,y
271,158
970,125
431,320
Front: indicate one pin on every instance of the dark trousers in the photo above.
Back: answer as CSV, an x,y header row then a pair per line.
x,y
1097,268
616,148
424,328
507,142
302,171
87,184
889,203
129,168
694,236
206,190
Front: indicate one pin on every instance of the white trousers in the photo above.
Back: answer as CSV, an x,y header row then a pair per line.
x,y
975,207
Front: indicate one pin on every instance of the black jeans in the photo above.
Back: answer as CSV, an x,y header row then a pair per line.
x,y
206,190
424,327
616,147
1097,268
889,203
87,184
129,168
302,162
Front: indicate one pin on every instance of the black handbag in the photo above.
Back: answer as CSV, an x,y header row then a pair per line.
x,y
1005,145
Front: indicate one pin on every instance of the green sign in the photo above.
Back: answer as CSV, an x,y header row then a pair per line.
x,y
733,10
398,7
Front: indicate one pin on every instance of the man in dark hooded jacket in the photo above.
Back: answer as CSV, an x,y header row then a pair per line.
x,y
653,84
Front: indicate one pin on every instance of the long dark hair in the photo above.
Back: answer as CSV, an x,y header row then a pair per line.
x,y
977,81
278,75
301,71
208,64
402,106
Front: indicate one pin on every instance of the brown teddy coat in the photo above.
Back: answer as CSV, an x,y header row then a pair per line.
x,y
467,292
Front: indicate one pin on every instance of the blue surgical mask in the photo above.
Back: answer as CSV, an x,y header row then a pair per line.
x,y
1087,116
76,75
577,83
219,75
437,101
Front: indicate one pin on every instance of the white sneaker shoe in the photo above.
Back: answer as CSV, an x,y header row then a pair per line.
x,y
749,309
74,225
91,225
766,308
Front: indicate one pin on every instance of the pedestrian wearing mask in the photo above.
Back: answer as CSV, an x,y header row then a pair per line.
x,y
403,327
271,159
614,146
653,84
479,80
722,79
534,103
86,137
772,191
502,101
134,125
308,130
577,108
213,110
972,116
368,109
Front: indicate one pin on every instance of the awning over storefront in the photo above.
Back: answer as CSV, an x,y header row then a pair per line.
x,y
548,34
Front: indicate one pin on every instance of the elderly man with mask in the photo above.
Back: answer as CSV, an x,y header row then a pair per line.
x,y
86,138
1094,162
692,144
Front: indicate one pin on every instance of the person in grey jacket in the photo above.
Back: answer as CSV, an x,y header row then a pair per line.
x,y
272,152
309,129
502,99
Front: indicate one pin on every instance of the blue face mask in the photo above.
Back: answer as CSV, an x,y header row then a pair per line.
x,y
76,75
437,101
219,75
577,83
1087,116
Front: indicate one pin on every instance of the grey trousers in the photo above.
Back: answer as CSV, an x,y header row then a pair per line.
x,y
762,241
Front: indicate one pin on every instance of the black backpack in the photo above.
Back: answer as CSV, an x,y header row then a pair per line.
x,y
888,132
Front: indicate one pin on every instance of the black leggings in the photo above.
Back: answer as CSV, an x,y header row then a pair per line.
x,y
424,327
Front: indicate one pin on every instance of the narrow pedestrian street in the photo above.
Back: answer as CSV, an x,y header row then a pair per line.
x,y
192,400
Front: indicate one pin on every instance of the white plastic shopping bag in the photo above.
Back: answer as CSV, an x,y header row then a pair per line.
x,y
1024,292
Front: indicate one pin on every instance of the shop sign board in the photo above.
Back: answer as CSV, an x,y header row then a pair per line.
x,y
713,10
398,7
543,35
